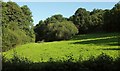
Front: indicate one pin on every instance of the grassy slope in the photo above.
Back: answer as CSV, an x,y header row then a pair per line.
x,y
82,45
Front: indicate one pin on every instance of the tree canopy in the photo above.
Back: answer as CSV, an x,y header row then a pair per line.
x,y
55,28
97,20
17,25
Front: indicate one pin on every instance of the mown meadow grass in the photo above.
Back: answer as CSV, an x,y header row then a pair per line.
x,y
80,46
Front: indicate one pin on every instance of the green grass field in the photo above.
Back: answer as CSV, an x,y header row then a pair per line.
x,y
84,46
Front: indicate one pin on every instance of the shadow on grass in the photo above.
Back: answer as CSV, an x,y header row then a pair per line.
x,y
107,41
111,48
102,63
93,36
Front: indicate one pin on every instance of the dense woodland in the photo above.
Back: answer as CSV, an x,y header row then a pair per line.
x,y
17,24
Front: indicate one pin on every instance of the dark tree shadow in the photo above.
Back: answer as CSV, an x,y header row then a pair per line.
x,y
111,49
115,44
108,41
92,36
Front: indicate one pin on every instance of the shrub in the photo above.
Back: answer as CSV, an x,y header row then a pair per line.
x,y
60,30
56,31
12,38
101,63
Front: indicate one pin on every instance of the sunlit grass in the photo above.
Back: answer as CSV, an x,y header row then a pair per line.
x,y
83,46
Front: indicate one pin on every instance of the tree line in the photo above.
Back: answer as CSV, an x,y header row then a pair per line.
x,y
17,24
95,21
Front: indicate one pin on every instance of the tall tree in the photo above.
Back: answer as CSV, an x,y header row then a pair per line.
x,y
16,25
79,19
27,21
96,21
112,19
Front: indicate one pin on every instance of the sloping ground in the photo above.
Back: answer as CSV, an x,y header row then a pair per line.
x,y
80,46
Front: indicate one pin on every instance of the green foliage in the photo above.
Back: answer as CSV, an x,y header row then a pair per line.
x,y
9,39
88,22
80,19
102,63
57,29
97,20
55,18
16,25
12,38
112,19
